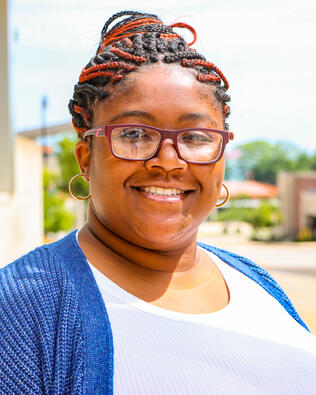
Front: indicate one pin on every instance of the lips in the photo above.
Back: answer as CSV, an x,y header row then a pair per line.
x,y
162,191
163,194
164,185
172,190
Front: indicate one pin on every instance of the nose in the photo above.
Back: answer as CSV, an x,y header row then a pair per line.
x,y
167,158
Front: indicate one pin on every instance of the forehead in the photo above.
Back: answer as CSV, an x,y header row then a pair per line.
x,y
155,77
163,89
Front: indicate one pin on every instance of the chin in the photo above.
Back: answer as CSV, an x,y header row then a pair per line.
x,y
164,235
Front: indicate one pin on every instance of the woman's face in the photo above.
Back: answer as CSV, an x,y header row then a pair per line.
x,y
168,98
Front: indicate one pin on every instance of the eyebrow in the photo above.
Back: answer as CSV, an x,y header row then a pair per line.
x,y
191,116
134,113
196,116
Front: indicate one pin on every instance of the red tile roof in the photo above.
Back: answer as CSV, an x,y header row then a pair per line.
x,y
254,189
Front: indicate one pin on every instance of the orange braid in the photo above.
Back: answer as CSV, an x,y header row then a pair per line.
x,y
128,56
116,34
208,77
217,70
115,77
128,42
80,131
83,112
118,38
170,36
186,26
139,22
200,62
108,65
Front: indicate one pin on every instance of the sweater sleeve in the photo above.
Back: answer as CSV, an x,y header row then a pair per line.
x,y
41,338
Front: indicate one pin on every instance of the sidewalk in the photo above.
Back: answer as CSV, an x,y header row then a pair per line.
x,y
288,256
301,289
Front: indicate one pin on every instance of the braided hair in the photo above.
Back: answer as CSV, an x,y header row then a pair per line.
x,y
140,39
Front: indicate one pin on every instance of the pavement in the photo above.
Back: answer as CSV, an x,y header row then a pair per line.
x,y
301,289
292,265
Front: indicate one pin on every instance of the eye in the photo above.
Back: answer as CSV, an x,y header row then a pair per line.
x,y
196,137
134,134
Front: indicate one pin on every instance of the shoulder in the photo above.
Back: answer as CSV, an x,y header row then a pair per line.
x,y
37,298
40,270
39,278
48,260
32,285
257,274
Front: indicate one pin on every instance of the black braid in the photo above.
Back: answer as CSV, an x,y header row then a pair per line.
x,y
144,46
136,14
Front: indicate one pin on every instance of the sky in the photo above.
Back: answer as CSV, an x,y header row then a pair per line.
x,y
266,50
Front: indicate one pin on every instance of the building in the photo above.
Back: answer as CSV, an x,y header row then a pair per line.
x,y
21,206
21,209
20,172
249,193
298,202
253,189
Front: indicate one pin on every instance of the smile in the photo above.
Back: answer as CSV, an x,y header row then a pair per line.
x,y
162,191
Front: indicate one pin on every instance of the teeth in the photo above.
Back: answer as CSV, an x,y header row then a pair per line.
x,y
162,191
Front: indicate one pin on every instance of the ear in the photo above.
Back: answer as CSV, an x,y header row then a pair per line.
x,y
83,154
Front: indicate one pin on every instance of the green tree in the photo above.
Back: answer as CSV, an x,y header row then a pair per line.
x,y
313,162
264,216
69,167
303,162
56,217
251,154
262,160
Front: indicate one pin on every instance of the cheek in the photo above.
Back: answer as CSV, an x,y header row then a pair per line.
x,y
211,187
211,177
220,172
103,173
108,176
107,190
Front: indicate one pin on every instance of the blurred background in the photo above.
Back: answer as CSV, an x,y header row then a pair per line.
x,y
267,51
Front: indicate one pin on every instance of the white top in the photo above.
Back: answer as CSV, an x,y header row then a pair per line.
x,y
252,346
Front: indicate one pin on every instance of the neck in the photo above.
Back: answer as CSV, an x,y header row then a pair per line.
x,y
130,265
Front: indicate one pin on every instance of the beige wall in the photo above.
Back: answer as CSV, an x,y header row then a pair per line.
x,y
307,206
286,185
298,200
21,213
6,146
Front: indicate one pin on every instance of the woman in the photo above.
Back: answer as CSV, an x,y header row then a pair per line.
x,y
130,303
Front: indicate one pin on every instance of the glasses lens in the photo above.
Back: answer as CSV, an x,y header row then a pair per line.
x,y
200,145
134,142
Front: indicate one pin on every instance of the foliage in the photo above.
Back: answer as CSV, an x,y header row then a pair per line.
x,y
233,213
261,160
305,234
56,217
313,162
265,215
69,167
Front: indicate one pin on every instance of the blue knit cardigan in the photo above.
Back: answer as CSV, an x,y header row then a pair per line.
x,y
55,334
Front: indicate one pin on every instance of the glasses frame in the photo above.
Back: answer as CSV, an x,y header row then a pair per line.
x,y
106,131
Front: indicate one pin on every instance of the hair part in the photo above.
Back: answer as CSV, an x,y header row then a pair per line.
x,y
137,41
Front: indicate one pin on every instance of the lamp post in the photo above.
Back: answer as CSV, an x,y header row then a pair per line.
x,y
44,103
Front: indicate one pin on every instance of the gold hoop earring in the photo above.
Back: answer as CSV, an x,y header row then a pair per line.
x,y
73,194
226,199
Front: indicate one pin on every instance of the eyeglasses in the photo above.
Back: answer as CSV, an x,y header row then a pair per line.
x,y
142,142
